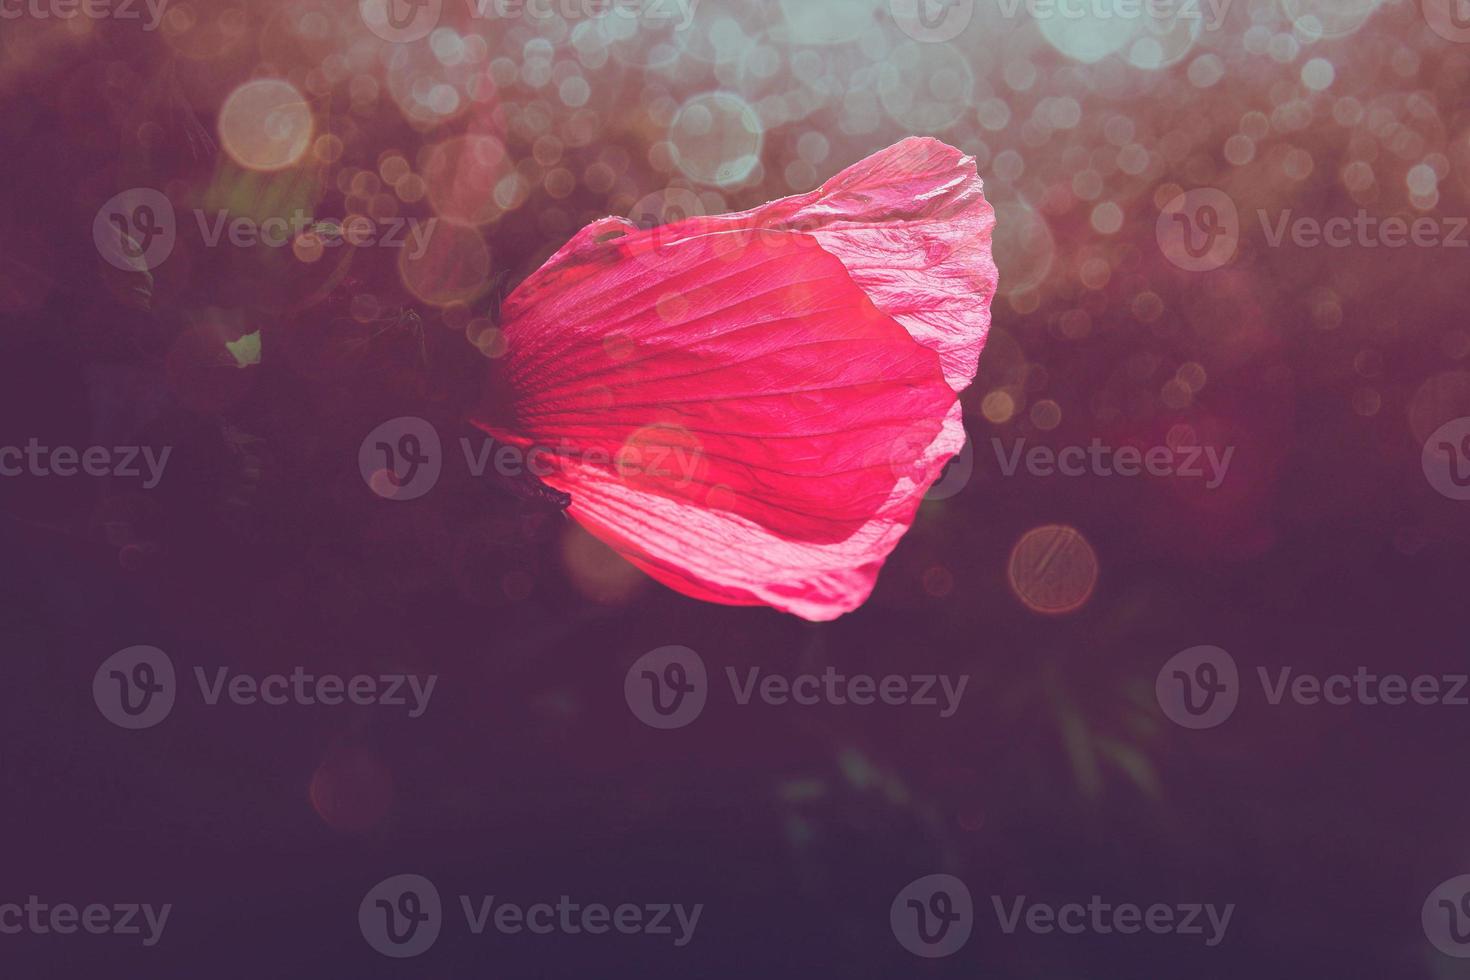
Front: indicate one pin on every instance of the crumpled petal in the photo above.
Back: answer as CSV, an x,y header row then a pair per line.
x,y
913,228
748,412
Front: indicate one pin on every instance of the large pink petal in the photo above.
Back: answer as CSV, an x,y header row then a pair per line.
x,y
735,417
750,407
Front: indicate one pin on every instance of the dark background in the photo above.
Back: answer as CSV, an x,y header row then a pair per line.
x,y
528,777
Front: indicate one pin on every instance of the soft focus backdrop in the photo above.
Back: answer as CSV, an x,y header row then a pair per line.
x,y
1321,369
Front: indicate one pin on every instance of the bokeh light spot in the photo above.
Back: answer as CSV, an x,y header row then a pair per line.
x,y
461,176
1053,570
716,138
266,125
452,267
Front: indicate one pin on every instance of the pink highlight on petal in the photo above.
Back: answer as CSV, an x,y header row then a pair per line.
x,y
750,407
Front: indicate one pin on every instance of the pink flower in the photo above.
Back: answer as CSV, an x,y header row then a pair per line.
x,y
750,407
